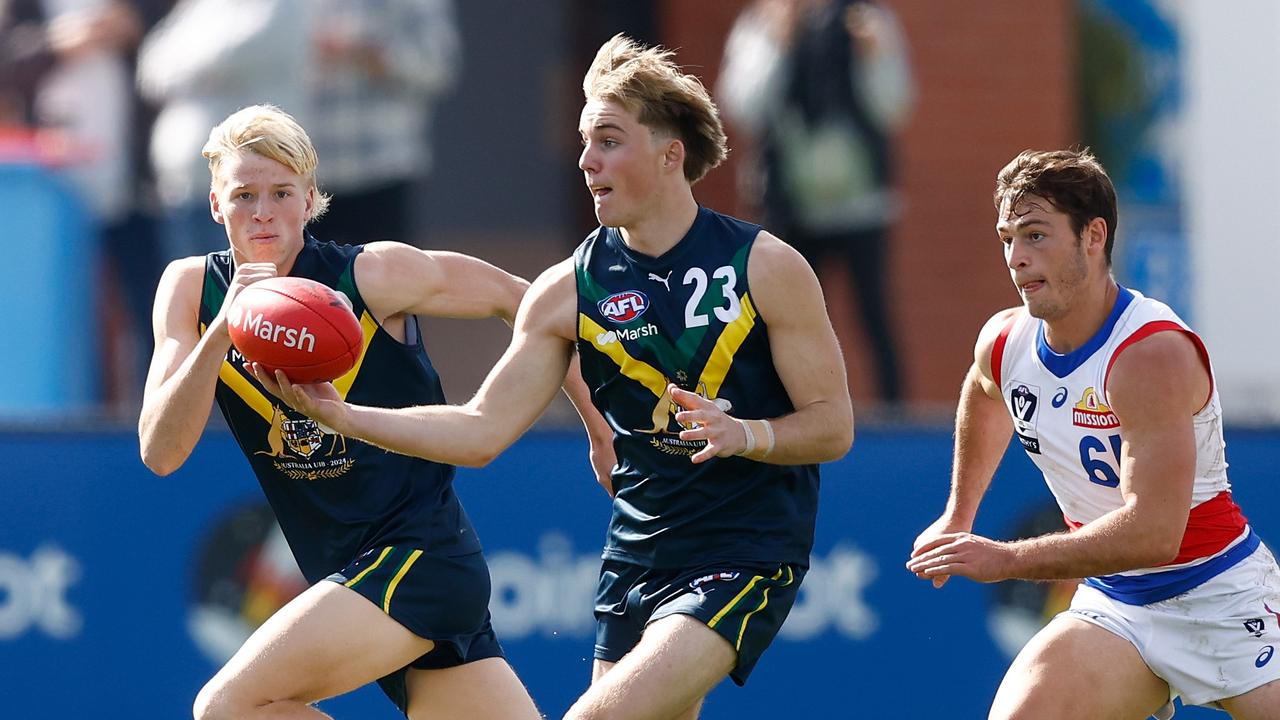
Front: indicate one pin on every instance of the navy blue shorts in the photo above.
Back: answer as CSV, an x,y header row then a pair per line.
x,y
745,603
443,599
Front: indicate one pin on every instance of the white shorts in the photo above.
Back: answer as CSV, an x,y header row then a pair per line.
x,y
1215,641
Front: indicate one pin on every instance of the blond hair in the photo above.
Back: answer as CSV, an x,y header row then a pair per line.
x,y
274,134
647,82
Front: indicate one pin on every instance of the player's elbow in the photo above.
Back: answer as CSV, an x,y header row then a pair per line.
x,y
476,457
839,439
844,441
1157,548
1166,549
160,463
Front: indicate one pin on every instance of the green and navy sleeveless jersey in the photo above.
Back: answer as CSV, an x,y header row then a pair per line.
x,y
687,318
337,497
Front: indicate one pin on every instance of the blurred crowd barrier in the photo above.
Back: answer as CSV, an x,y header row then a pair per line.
x,y
50,330
121,592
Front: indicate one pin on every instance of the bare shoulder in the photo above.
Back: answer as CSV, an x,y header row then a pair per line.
x,y
551,304
774,260
1165,367
384,260
181,282
782,282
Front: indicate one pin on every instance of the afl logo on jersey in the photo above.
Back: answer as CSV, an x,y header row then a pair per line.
x,y
624,307
1091,412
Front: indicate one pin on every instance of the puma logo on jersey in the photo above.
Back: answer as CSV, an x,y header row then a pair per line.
x,y
664,280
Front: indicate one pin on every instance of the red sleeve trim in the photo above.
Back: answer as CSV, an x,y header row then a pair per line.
x,y
997,349
1152,328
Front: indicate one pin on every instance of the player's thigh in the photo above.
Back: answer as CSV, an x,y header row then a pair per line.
x,y
1074,669
327,641
1261,703
482,690
600,667
677,661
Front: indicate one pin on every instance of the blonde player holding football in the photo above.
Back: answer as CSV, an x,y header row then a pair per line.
x,y
1113,397
399,587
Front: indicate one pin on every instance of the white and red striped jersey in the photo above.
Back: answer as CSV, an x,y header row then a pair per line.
x,y
1058,403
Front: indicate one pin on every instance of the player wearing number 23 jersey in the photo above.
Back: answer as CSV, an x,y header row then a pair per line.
x,y
740,526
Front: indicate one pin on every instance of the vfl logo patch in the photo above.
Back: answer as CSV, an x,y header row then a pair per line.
x,y
624,307
1024,402
1091,412
1255,626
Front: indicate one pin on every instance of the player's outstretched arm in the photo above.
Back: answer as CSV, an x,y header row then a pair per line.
x,y
185,363
512,397
396,279
807,357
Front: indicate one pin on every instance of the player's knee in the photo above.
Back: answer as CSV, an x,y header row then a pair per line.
x,y
216,702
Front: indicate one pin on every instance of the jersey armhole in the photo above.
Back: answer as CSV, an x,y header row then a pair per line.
x,y
997,350
1152,328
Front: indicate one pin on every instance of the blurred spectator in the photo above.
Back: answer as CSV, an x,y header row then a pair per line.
x,y
86,94
823,85
79,57
25,56
377,68
205,60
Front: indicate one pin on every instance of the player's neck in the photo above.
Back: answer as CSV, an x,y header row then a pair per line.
x,y
662,227
1083,320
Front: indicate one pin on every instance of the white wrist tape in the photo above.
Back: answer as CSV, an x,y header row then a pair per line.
x,y
768,430
751,438
753,442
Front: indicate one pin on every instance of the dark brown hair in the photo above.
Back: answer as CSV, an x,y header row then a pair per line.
x,y
1073,180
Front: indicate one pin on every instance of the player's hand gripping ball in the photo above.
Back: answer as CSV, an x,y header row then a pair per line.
x,y
300,326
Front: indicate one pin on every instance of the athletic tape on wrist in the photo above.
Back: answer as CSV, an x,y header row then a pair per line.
x,y
751,438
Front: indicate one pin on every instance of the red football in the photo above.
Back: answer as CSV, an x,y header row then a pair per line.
x,y
300,326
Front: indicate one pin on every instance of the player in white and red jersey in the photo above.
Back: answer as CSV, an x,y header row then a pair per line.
x,y
1113,397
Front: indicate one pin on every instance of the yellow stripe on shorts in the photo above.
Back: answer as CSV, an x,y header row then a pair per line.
x,y
391,588
352,582
738,598
743,630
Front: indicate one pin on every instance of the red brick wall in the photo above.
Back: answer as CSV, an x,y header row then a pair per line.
x,y
993,77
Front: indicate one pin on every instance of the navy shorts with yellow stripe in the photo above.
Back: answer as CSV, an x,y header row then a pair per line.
x,y
444,599
745,603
